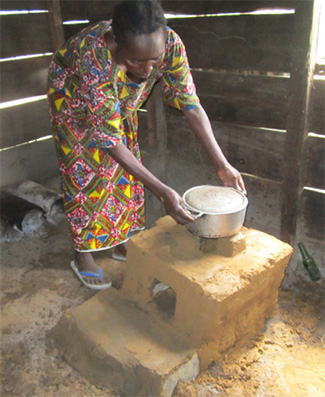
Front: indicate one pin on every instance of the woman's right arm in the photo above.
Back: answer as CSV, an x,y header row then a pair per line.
x,y
172,201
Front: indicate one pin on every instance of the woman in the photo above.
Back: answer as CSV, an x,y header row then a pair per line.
x,y
96,84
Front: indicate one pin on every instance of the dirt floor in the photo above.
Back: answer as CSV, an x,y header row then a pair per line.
x,y
287,358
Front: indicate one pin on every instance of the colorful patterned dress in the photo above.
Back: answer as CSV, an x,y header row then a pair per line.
x,y
93,106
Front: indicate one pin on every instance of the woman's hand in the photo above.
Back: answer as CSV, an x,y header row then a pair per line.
x,y
231,177
174,206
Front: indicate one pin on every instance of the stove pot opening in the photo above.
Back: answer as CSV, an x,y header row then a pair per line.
x,y
164,299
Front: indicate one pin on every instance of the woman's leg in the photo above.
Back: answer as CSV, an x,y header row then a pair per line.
x,y
85,262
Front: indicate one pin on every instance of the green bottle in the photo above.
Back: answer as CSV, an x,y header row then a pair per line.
x,y
309,263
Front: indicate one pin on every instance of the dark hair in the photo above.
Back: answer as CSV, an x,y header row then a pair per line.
x,y
137,17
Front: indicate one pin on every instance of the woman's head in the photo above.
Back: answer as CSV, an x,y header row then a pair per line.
x,y
139,29
137,18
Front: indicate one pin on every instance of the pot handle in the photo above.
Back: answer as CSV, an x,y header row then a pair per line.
x,y
194,214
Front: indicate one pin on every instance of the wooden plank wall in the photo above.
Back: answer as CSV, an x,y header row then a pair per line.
x,y
25,34
241,66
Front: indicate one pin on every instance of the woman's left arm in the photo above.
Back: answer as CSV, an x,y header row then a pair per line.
x,y
201,126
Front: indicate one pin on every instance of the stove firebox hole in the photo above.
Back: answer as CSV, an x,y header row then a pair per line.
x,y
164,299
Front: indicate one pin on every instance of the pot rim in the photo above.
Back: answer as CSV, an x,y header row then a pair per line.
x,y
196,210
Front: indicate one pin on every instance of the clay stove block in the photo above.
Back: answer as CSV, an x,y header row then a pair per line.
x,y
111,341
222,297
212,300
226,246
231,245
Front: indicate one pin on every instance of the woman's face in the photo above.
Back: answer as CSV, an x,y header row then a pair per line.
x,y
142,53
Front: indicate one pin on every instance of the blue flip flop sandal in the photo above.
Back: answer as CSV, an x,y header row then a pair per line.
x,y
90,274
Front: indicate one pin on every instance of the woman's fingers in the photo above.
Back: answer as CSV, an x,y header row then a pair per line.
x,y
185,217
241,185
181,215
174,206
232,178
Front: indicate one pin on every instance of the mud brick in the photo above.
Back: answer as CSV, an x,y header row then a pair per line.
x,y
181,306
212,287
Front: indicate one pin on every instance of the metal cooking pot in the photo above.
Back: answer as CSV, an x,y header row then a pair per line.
x,y
218,211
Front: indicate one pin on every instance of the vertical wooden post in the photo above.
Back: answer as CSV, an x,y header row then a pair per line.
x,y
56,26
301,80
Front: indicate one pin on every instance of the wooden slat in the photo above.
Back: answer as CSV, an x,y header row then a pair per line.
x,y
242,112
23,5
317,123
315,156
96,10
71,30
270,88
313,214
207,7
264,205
24,123
261,43
35,161
247,100
25,34
253,151
320,69
24,78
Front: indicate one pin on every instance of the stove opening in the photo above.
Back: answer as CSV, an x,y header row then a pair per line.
x,y
164,299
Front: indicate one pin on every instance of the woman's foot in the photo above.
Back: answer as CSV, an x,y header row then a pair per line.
x,y
85,263
119,252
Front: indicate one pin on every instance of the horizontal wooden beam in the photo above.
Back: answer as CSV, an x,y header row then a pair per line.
x,y
99,10
246,100
259,43
215,6
23,5
35,161
24,34
317,118
313,214
315,164
24,78
71,30
96,10
24,123
251,150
